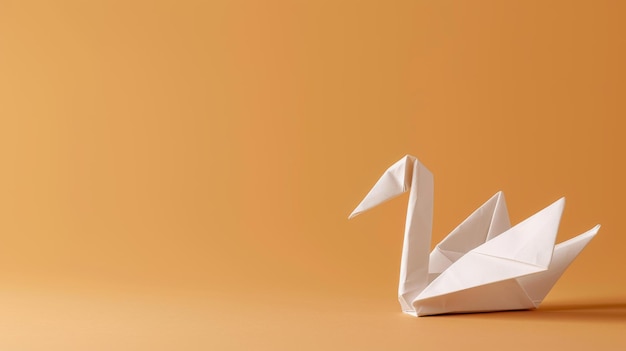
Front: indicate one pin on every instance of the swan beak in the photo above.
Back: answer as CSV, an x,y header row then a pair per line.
x,y
394,182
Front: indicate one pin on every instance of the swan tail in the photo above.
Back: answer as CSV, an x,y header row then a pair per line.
x,y
537,286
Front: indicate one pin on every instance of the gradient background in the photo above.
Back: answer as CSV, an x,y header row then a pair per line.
x,y
177,175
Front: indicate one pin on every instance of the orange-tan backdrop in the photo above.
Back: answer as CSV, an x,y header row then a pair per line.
x,y
207,153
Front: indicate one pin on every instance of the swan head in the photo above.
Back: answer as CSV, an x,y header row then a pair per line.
x,y
394,182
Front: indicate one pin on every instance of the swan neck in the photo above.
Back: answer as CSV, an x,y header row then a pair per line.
x,y
417,236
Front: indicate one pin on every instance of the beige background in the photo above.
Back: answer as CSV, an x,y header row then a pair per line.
x,y
177,175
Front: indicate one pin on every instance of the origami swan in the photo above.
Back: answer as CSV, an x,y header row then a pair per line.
x,y
484,264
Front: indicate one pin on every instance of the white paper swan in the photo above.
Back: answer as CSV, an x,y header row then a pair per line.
x,y
483,264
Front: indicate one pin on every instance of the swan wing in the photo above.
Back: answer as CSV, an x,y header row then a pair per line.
x,y
522,250
488,221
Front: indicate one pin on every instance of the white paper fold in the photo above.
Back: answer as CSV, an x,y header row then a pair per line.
x,y
484,264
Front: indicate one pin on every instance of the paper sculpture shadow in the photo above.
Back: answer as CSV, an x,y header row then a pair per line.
x,y
596,312
610,311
